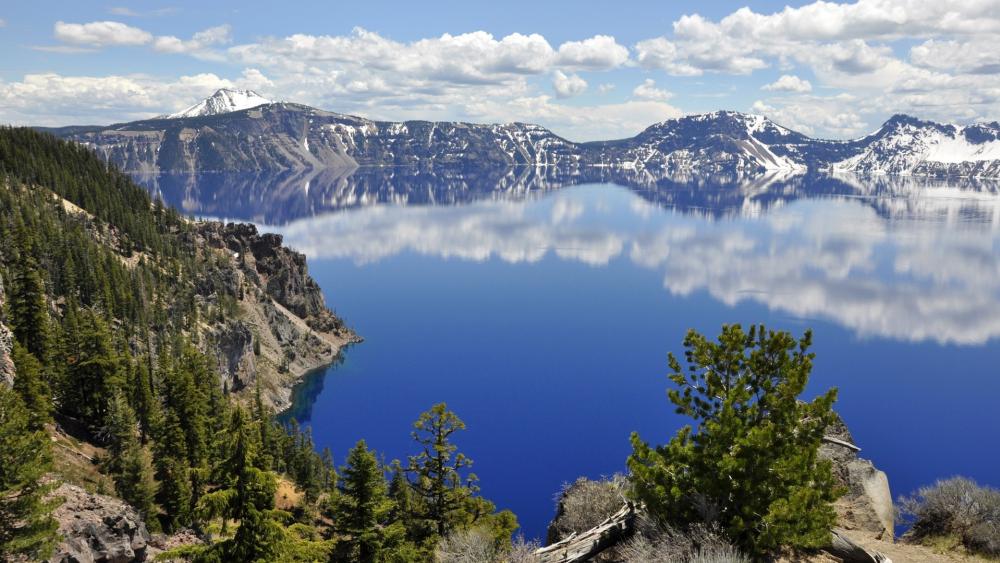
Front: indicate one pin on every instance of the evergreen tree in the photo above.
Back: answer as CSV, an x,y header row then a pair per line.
x,y
32,388
362,508
129,463
437,469
29,309
26,526
95,373
247,496
751,463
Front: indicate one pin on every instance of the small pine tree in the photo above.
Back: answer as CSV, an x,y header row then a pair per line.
x,y
26,525
362,509
437,469
247,495
751,463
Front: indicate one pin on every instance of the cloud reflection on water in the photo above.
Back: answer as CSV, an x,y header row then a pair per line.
x,y
917,268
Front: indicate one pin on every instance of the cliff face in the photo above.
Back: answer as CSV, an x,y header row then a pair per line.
x,y
280,327
6,345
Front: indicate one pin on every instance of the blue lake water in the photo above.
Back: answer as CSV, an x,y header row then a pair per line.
x,y
543,316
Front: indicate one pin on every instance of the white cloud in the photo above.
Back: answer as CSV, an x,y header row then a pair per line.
x,y
198,46
101,34
567,86
789,83
53,99
3,22
600,52
648,91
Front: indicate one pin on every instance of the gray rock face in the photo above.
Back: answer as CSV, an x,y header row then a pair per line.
x,y
6,346
232,343
98,529
867,505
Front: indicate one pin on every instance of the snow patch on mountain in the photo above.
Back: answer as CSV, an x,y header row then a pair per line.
x,y
223,101
905,145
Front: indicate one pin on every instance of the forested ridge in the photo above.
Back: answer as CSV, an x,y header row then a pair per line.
x,y
106,300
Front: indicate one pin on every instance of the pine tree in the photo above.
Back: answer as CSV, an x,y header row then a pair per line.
x,y
129,463
95,373
26,526
438,469
362,509
28,308
247,495
32,388
751,463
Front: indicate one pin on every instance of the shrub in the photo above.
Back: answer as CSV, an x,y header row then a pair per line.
x,y
477,545
751,462
959,508
585,504
654,543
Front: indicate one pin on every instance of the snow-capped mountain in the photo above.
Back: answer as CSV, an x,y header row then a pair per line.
x,y
905,145
216,135
223,101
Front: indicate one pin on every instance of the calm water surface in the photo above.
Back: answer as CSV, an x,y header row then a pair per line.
x,y
544,320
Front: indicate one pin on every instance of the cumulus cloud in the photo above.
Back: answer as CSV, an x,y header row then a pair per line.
x,y
648,91
567,86
600,52
789,83
101,34
54,99
198,46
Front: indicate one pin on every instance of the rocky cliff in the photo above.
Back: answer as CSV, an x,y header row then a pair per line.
x,y
279,326
6,345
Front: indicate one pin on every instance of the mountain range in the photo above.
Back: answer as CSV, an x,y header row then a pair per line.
x,y
243,131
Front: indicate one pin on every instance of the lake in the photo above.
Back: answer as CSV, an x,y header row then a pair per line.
x,y
541,307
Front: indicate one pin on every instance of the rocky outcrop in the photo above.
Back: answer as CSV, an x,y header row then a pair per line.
x,y
97,528
6,346
277,326
867,504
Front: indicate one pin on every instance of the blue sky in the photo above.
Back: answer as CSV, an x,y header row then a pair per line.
x,y
588,70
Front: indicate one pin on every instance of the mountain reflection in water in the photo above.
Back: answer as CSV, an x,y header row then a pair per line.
x,y
541,305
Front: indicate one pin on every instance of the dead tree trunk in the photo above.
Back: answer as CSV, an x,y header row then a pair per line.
x,y
583,546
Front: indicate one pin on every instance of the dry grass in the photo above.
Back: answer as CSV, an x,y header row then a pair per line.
x,y
287,496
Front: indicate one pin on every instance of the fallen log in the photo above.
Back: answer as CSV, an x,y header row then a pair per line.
x,y
583,546
848,551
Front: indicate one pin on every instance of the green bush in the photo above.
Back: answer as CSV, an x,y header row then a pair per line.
x,y
750,465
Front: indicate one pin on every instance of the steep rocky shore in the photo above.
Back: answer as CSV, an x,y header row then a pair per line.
x,y
280,328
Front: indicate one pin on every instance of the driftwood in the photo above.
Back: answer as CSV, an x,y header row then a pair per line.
x,y
579,547
844,548
840,442
583,546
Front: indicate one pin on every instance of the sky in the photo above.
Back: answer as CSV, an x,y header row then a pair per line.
x,y
587,70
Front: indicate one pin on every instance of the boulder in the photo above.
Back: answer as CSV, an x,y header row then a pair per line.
x,y
97,529
867,504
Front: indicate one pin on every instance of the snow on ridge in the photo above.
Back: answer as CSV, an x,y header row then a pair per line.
x,y
223,101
